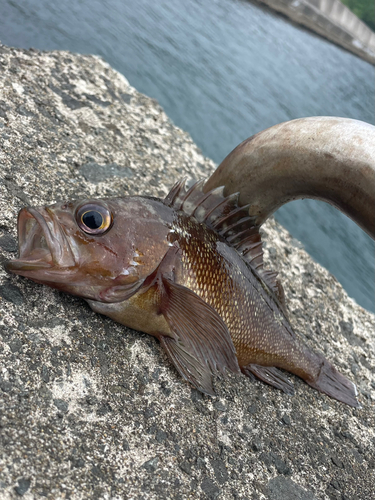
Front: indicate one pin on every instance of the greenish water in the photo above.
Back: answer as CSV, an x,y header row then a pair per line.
x,y
223,70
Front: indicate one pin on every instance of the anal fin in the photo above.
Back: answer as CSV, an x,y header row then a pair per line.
x,y
270,375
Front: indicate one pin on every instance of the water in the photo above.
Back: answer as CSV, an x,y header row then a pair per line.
x,y
223,70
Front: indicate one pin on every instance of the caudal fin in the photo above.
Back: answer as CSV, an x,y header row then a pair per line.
x,y
332,383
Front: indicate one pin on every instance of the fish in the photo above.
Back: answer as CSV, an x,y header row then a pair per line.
x,y
187,269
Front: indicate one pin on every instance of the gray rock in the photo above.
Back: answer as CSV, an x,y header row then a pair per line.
x,y
15,345
219,406
85,402
186,467
151,465
11,293
61,405
161,436
281,488
5,386
99,173
220,471
45,374
8,243
22,487
286,419
210,489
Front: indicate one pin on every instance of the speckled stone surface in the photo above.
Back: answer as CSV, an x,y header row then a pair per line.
x,y
90,409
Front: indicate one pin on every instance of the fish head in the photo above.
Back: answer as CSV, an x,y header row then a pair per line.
x,y
98,249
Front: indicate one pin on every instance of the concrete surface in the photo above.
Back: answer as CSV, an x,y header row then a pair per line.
x,y
92,410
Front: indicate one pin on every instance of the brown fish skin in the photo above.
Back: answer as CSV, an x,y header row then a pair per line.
x,y
161,267
260,332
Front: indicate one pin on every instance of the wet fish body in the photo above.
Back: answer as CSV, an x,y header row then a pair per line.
x,y
187,270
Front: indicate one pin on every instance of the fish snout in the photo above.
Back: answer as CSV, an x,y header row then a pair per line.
x,y
42,242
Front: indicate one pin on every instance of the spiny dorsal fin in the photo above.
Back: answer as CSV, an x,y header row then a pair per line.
x,y
227,218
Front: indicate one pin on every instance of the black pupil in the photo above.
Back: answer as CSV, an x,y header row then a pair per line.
x,y
92,219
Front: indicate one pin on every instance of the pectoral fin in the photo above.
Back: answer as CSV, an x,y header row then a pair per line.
x,y
201,345
187,365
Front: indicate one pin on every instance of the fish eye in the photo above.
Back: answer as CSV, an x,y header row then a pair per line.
x,y
93,218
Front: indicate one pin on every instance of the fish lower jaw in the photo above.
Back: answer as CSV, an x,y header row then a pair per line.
x,y
20,266
36,258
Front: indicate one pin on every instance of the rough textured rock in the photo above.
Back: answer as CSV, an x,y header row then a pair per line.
x,y
90,409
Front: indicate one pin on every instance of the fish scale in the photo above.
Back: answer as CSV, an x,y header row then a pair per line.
x,y
237,297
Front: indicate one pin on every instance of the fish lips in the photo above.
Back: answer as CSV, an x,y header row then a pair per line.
x,y
42,243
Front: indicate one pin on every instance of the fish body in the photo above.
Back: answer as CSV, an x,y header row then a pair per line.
x,y
187,270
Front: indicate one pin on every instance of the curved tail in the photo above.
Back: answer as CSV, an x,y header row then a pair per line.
x,y
332,382
326,158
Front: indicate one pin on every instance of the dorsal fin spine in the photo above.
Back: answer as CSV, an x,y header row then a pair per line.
x,y
252,248
234,213
194,187
248,242
183,194
174,192
216,211
210,212
237,225
202,201
240,235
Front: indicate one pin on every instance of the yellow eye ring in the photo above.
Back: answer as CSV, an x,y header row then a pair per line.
x,y
94,218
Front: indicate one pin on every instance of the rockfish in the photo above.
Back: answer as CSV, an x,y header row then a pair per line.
x,y
188,270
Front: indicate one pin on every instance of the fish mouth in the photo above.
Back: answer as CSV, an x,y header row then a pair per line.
x,y
41,241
